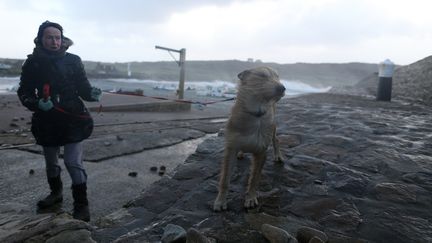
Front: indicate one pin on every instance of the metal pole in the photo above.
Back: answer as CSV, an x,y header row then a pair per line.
x,y
181,63
182,72
166,49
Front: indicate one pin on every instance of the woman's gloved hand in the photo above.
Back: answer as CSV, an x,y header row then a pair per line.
x,y
45,105
96,93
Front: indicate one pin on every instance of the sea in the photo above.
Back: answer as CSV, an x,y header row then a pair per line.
x,y
197,90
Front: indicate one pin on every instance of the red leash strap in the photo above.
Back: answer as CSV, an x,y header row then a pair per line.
x,y
175,100
71,114
46,95
46,92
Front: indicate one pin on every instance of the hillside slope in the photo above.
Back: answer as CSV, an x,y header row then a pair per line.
x,y
414,81
324,74
319,74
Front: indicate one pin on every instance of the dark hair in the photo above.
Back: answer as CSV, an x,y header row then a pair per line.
x,y
45,25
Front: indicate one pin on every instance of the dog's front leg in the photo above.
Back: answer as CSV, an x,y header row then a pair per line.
x,y
251,199
228,163
277,156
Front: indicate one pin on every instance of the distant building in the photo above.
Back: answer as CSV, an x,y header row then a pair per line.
x,y
105,69
5,66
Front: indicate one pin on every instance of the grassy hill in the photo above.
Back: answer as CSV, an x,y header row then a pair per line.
x,y
321,74
316,74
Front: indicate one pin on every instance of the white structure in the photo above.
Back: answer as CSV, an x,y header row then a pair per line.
x,y
385,74
386,69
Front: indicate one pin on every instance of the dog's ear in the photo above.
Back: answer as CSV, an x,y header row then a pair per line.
x,y
242,75
261,74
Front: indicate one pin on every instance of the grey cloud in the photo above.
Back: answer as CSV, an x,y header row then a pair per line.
x,y
133,10
347,22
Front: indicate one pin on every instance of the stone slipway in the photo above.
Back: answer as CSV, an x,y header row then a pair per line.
x,y
127,147
355,170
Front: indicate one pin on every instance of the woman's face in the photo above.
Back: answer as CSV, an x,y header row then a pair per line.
x,y
51,39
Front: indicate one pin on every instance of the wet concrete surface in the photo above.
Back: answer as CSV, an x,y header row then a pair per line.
x,y
355,169
110,184
113,179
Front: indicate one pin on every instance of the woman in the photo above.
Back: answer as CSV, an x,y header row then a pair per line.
x,y
53,82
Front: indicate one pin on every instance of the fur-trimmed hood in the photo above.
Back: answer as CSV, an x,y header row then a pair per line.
x,y
40,51
66,42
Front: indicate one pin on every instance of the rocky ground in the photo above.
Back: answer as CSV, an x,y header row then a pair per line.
x,y
355,170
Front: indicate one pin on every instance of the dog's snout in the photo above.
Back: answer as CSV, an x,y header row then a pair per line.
x,y
280,89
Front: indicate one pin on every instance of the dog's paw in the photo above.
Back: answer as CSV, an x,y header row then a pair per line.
x,y
251,202
278,159
219,205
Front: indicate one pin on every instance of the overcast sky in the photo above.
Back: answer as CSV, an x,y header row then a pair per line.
x,y
282,31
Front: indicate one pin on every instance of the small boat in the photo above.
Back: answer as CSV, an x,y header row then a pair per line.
x,y
167,87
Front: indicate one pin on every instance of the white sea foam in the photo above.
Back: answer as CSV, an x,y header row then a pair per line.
x,y
297,88
209,88
8,84
294,87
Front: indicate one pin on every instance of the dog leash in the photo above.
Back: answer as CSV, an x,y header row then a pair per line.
x,y
175,100
100,109
46,94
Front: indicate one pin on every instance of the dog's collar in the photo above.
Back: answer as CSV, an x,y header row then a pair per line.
x,y
259,113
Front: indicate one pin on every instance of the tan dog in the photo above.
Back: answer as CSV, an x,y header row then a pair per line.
x,y
250,128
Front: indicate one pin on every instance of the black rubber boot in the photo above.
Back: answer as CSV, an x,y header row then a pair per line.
x,y
81,208
55,196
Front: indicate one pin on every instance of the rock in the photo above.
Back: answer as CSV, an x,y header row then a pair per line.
x,y
82,236
13,124
348,181
173,233
31,171
106,143
290,140
319,182
276,235
316,239
24,227
306,234
133,174
194,236
395,192
153,168
162,170
116,217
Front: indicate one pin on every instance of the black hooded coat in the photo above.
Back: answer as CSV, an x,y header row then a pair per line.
x,y
69,121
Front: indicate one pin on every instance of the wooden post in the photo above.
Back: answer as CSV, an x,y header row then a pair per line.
x,y
181,64
182,72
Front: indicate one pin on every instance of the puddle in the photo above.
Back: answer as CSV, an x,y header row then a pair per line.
x,y
218,120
